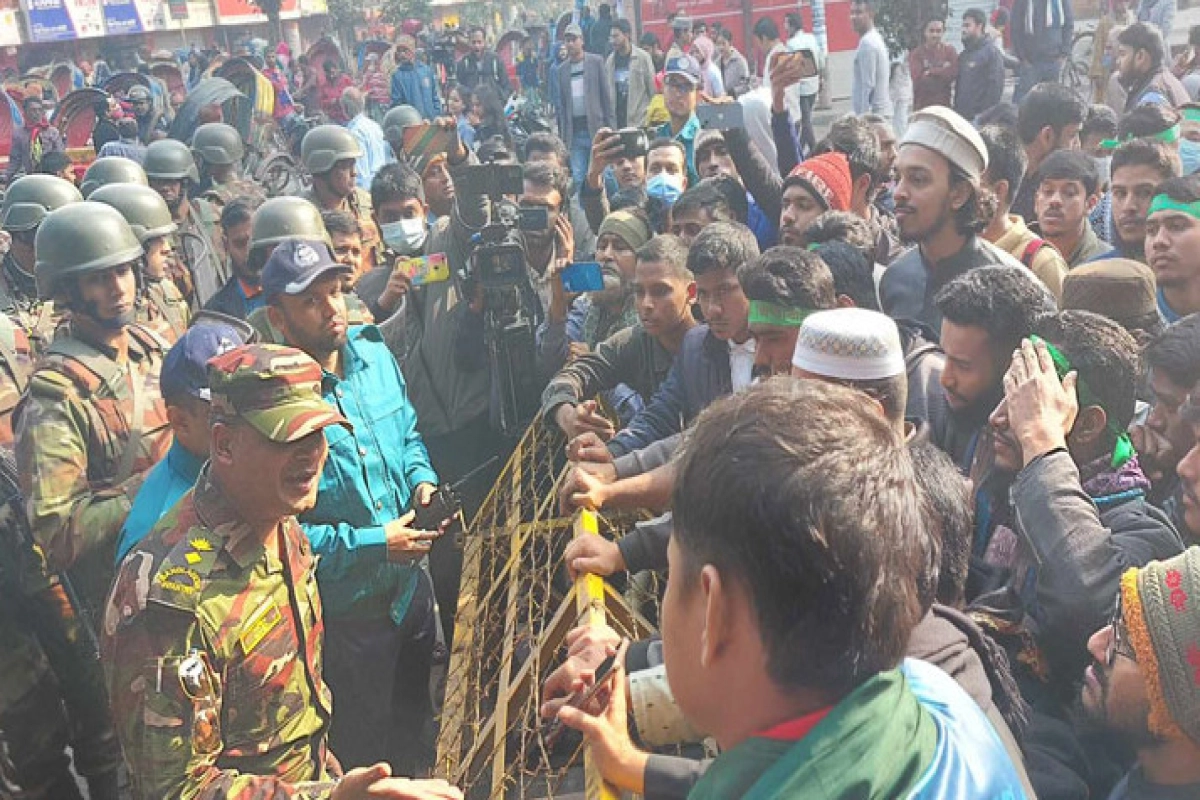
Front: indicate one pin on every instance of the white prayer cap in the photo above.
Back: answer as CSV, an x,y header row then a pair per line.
x,y
945,132
851,344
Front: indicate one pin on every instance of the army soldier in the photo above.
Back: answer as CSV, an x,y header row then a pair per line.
x,y
26,204
160,305
328,153
213,629
394,122
111,169
172,172
32,719
219,151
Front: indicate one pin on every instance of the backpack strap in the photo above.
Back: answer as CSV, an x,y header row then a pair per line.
x,y
1031,250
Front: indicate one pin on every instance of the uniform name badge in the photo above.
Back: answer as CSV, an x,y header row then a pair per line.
x,y
264,620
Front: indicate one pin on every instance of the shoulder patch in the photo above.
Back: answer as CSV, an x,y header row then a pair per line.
x,y
180,577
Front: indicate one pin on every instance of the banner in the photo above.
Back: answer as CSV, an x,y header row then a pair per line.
x,y
64,20
243,12
121,17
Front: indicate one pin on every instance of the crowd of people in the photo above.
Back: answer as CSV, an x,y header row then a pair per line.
x,y
915,398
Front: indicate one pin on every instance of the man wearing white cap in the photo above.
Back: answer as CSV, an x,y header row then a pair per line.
x,y
858,348
941,208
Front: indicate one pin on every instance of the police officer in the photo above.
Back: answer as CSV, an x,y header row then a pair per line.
x,y
217,609
111,169
26,204
328,153
172,172
219,152
32,720
160,305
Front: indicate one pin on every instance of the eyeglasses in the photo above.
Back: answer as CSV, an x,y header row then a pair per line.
x,y
681,87
1119,644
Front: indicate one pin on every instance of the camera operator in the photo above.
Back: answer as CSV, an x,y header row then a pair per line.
x,y
423,327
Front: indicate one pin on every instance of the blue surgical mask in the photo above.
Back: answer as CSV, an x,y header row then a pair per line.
x,y
1189,154
405,237
665,187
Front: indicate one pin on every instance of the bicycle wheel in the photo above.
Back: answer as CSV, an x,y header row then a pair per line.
x,y
1076,74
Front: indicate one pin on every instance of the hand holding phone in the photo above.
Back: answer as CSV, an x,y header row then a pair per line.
x,y
601,680
584,276
420,270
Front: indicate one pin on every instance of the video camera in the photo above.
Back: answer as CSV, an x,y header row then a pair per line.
x,y
510,306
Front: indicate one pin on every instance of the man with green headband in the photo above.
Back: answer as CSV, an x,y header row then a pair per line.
x,y
1173,246
1052,541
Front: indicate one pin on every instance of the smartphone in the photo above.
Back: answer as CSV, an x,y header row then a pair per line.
x,y
720,116
582,276
425,269
580,699
634,142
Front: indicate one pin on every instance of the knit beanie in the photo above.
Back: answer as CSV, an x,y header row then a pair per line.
x,y
1161,606
828,177
632,228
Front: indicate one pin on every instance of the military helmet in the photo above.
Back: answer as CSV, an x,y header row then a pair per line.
x,y
396,119
29,199
78,239
325,145
138,92
142,207
218,143
170,159
109,170
282,218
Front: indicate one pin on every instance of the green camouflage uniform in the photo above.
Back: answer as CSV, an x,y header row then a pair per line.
x,y
19,300
164,309
205,264
32,719
220,195
212,640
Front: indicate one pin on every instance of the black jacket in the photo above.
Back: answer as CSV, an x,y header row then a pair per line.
x,y
980,78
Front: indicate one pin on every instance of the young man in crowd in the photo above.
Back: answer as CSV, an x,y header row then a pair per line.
x,y
941,208
980,82
1048,119
872,67
1140,686
1144,74
681,94
630,72
639,356
329,153
1172,242
1041,40
820,184
701,206
1138,168
1068,188
1172,364
985,314
583,99
712,161
1003,177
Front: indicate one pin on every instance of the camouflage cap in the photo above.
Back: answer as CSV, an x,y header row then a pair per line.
x,y
277,390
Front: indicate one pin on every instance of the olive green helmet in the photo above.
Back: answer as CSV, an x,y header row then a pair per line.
x,y
218,143
29,199
325,145
397,119
142,207
78,239
109,170
170,159
282,218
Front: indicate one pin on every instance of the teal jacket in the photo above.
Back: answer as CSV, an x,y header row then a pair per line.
x,y
367,482
167,481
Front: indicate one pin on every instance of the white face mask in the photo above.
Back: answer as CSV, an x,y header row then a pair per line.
x,y
405,237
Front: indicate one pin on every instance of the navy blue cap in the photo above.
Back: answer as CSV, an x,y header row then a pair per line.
x,y
685,66
295,264
185,369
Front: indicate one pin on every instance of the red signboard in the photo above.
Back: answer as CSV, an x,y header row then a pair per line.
x,y
242,12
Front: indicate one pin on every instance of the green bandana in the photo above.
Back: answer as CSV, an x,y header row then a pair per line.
x,y
764,312
1191,114
1162,202
1169,136
1123,449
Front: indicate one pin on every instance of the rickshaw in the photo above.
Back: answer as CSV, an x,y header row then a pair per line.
x,y
120,84
10,120
75,118
66,78
170,74
377,46
325,50
208,92
252,111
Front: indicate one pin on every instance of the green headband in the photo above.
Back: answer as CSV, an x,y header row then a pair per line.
x,y
1123,449
764,312
1191,114
1162,202
1169,136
